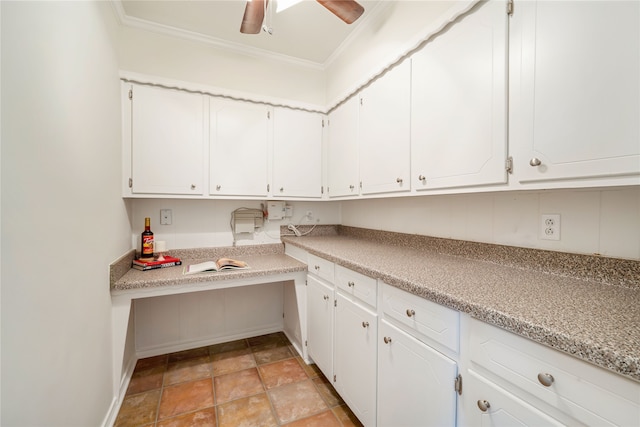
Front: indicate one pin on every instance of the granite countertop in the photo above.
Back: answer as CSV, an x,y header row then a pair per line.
x,y
263,260
584,316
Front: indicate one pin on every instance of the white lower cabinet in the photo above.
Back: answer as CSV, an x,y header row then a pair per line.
x,y
514,375
415,382
320,298
355,357
492,406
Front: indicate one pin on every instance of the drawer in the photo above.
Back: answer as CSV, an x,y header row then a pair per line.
x,y
586,393
431,320
356,285
296,252
320,267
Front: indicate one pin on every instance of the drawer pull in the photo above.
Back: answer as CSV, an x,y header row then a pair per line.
x,y
483,405
326,297
351,284
410,312
545,379
387,340
365,324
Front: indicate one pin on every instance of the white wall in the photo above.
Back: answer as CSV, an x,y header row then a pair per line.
x,y
592,221
198,62
63,220
205,223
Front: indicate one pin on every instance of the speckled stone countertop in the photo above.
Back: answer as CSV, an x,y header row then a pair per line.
x,y
586,306
263,260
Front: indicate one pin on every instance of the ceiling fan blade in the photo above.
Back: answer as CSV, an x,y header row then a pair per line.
x,y
347,10
253,16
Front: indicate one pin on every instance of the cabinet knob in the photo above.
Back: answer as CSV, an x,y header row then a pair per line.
x,y
399,180
545,379
351,187
193,186
387,340
422,178
365,324
484,405
317,267
326,297
218,187
281,189
535,162
351,284
410,312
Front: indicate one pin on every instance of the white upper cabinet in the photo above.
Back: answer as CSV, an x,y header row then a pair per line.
x,y
459,103
342,157
297,153
575,92
385,132
167,142
239,137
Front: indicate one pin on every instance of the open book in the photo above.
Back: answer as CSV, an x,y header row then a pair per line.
x,y
219,265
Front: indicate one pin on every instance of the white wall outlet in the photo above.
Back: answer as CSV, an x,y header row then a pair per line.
x,y
550,226
166,217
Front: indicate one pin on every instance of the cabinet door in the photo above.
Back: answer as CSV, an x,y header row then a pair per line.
x,y
355,358
458,104
238,138
415,382
385,132
576,91
343,168
167,141
320,324
297,153
488,405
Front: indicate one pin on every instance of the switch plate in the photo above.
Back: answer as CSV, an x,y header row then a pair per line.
x,y
550,226
166,217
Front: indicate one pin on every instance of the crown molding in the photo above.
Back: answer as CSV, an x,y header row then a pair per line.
x,y
129,21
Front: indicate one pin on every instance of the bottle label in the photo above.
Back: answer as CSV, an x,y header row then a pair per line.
x,y
147,245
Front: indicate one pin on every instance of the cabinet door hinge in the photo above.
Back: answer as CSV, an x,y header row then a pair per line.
x,y
321,189
510,7
457,384
334,378
130,94
268,188
509,164
322,122
130,183
269,115
306,344
335,302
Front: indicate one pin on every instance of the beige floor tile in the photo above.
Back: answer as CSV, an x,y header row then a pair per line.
x,y
203,418
187,370
281,373
185,397
253,411
237,385
232,361
323,419
138,409
297,400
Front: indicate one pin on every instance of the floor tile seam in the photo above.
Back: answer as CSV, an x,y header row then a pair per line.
x,y
216,403
275,361
325,400
210,347
186,413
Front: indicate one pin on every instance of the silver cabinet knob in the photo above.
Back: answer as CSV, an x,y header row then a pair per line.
x,y
535,162
365,324
483,405
193,186
387,340
326,297
410,312
281,189
218,187
399,180
422,178
317,267
351,284
351,187
545,379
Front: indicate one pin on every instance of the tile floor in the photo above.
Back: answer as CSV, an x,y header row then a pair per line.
x,y
252,382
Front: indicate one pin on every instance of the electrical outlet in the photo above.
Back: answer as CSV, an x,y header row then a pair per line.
x,y
550,226
166,217
309,215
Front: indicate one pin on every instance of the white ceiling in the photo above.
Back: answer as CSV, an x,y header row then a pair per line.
x,y
307,32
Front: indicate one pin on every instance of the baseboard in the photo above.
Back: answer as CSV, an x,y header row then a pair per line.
x,y
186,345
116,403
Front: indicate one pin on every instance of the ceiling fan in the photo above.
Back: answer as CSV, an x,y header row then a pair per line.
x,y
347,10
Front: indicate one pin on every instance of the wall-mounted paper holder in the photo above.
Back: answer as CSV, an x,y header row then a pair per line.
x,y
246,220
